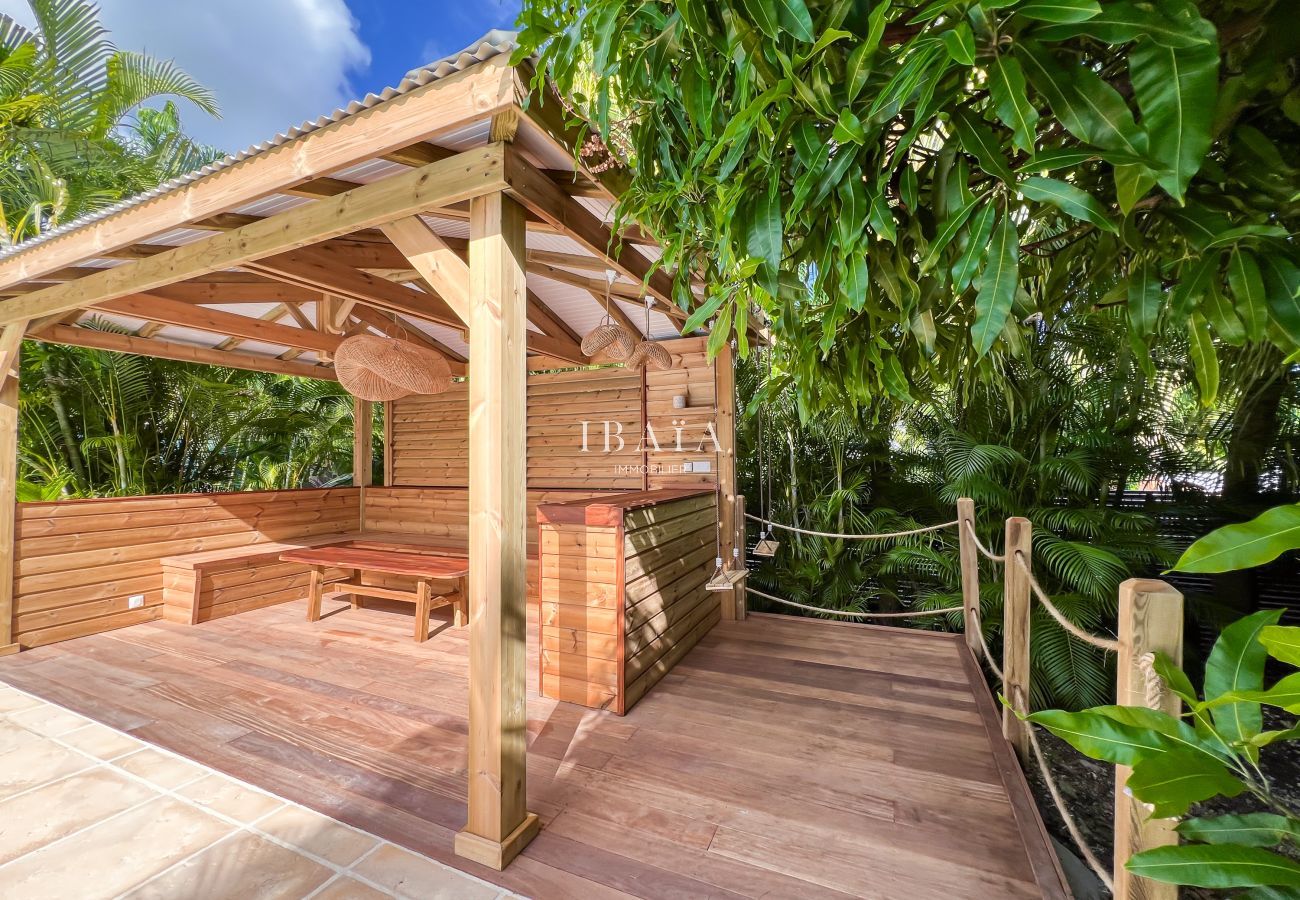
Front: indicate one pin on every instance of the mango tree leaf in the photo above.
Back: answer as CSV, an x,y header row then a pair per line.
x,y
1176,89
793,15
1193,281
848,129
977,140
1223,319
1144,296
1089,108
1182,737
1284,695
947,233
1219,866
1240,232
1132,182
1250,830
960,44
1172,782
1102,737
1282,642
1050,160
1247,285
1069,199
1204,359
1282,288
1237,664
763,14
763,236
1245,545
1058,10
977,244
744,120
997,286
1121,21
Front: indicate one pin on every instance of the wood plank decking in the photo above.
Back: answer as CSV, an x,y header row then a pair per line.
x,y
782,758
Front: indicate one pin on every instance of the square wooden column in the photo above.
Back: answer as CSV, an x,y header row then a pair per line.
x,y
499,823
725,426
11,341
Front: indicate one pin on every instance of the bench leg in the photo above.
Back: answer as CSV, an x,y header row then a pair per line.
x,y
317,578
461,609
423,609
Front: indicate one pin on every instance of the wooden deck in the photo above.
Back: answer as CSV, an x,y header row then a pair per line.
x,y
781,758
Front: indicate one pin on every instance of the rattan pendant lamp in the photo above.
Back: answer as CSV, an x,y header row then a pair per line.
x,y
378,367
649,354
609,336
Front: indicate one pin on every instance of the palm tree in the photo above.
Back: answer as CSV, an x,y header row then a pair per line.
x,y
75,131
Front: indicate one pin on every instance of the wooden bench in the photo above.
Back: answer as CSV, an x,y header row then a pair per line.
x,y
362,557
210,584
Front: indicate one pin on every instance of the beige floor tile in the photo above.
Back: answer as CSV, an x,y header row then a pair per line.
x,y
350,889
35,763
318,835
12,701
160,768
243,866
412,876
48,720
114,856
101,742
230,798
57,810
14,736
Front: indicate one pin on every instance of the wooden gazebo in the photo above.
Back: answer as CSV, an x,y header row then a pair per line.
x,y
448,211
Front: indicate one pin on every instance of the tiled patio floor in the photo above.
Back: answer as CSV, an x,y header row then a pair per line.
x,y
88,812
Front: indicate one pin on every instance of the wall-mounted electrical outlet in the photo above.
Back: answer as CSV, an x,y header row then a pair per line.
x,y
135,601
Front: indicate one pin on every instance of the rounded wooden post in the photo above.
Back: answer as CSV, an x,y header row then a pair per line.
x,y
725,427
970,573
1016,606
1150,621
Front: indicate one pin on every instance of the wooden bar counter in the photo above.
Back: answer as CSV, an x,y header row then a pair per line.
x,y
621,591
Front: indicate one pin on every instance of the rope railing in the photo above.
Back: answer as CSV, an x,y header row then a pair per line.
x,y
975,539
984,648
1101,643
885,536
849,614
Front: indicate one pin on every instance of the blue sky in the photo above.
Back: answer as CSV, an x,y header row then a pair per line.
x,y
276,63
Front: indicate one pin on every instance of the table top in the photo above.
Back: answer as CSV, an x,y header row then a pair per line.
x,y
393,562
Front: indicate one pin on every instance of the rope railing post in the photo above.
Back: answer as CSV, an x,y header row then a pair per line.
x,y
970,573
1150,622
1016,600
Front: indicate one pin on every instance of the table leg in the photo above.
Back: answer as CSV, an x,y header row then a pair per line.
x,y
461,609
423,609
356,598
314,591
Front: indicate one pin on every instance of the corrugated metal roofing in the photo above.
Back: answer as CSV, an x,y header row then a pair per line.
x,y
495,43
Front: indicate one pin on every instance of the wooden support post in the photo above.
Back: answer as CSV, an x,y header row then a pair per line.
x,y
499,824
363,455
388,443
1150,621
11,342
725,403
970,573
742,605
1016,607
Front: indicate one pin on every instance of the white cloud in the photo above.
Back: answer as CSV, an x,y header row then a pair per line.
x,y
271,63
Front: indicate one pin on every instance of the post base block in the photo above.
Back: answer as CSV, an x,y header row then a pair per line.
x,y
6,649
498,854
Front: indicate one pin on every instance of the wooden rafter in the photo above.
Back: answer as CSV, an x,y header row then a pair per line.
x,y
274,314
201,318
126,343
468,174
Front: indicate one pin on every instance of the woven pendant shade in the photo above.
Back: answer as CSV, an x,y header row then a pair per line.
x,y
623,347
649,355
604,336
383,368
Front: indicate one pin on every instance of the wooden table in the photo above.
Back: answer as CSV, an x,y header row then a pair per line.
x,y
424,567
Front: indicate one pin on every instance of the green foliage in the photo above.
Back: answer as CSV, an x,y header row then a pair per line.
x,y
95,423
1243,546
76,133
1177,765
931,185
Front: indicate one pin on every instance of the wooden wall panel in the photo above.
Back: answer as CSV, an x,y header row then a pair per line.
x,y
430,435
78,562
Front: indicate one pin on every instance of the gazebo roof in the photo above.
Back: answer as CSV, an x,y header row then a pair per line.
x,y
471,99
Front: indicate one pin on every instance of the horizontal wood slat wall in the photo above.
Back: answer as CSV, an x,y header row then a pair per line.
x,y
77,562
430,435
619,604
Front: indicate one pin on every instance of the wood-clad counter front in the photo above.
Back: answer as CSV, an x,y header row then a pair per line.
x,y
621,591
